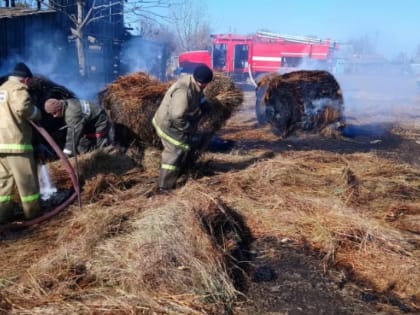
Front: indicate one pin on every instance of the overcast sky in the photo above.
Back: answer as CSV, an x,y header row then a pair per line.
x,y
394,25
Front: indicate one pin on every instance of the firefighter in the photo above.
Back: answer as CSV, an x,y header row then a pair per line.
x,y
87,124
17,161
176,121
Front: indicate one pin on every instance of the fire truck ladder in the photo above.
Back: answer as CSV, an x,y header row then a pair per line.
x,y
290,38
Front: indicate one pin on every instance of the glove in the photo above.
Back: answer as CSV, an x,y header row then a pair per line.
x,y
200,141
67,152
204,106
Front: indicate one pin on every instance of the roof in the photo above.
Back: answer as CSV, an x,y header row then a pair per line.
x,y
21,11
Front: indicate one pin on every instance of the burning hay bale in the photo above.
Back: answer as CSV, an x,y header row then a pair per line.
x,y
301,100
132,101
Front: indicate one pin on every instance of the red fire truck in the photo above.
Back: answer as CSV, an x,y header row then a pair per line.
x,y
240,56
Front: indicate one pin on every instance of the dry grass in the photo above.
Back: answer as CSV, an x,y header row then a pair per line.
x,y
348,208
124,253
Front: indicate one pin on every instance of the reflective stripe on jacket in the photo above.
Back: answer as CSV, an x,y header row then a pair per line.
x,y
166,137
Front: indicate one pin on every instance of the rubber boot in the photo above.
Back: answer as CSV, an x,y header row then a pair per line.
x,y
167,179
6,213
32,209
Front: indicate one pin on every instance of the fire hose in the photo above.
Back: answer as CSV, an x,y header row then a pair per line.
x,y
74,180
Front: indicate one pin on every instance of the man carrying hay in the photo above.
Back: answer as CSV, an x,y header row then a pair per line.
x,y
176,122
87,124
17,162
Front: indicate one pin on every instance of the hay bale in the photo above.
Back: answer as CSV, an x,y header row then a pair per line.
x,y
300,101
224,99
41,89
133,99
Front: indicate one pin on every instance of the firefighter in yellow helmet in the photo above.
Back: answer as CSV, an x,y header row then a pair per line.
x,y
176,121
17,162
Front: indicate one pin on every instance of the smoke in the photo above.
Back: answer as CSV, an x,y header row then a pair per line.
x,y
385,97
148,56
48,54
318,105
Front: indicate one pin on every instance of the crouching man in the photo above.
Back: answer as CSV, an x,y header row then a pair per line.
x,y
87,124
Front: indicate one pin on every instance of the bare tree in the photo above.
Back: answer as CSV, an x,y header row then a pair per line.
x,y
146,13
191,24
363,45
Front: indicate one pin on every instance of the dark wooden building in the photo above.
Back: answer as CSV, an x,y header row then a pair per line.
x,y
42,37
103,35
20,28
17,25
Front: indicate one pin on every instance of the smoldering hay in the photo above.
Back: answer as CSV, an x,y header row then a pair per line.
x,y
306,101
132,100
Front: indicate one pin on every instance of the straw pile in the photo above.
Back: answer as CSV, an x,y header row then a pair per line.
x,y
132,101
224,99
42,89
300,101
130,255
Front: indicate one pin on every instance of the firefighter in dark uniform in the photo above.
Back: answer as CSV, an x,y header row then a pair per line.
x,y
87,124
176,122
17,162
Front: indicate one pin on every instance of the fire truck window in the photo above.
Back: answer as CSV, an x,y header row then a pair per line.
x,y
219,55
241,56
291,61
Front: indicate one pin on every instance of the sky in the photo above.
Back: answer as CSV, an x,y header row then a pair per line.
x,y
392,25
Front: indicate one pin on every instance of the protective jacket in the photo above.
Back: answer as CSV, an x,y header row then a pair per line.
x,y
15,111
176,121
17,164
88,121
179,112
